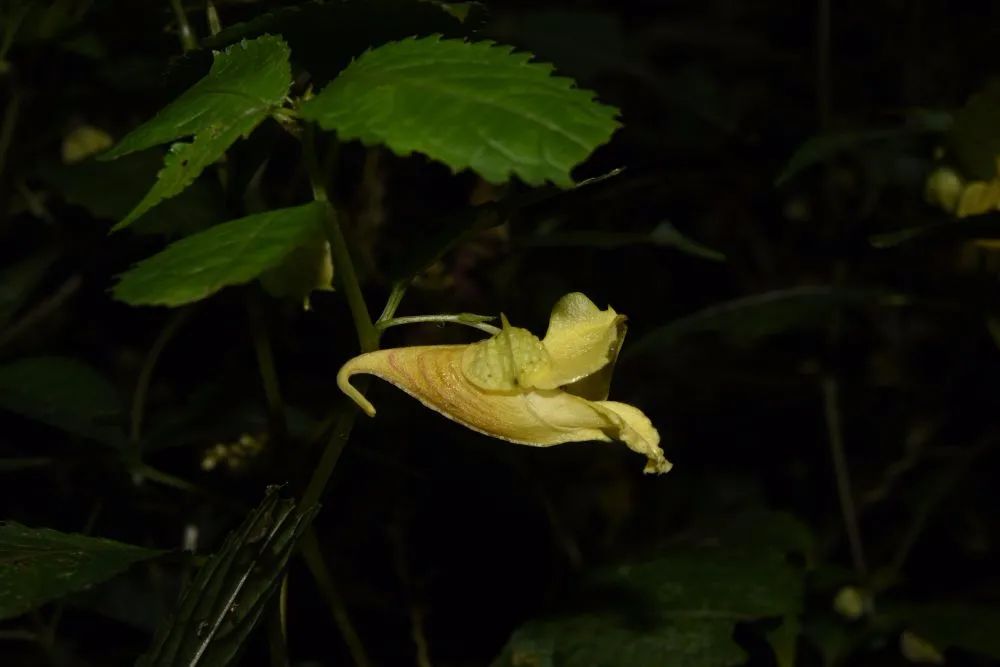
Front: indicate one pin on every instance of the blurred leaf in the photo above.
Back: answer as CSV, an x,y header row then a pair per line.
x,y
676,610
18,280
38,565
246,82
969,627
824,147
744,321
952,230
324,37
583,43
429,247
63,393
664,234
232,253
975,136
109,190
223,603
784,641
453,101
15,465
917,649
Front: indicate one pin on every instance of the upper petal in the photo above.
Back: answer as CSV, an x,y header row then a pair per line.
x,y
581,339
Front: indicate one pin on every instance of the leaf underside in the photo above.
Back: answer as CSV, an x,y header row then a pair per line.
x,y
470,105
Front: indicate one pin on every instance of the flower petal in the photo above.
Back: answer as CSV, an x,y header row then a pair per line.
x,y
581,339
434,375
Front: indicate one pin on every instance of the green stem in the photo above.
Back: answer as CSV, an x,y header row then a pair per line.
x,y
467,319
266,366
346,275
10,114
343,420
831,406
212,16
392,303
146,377
186,34
277,641
317,566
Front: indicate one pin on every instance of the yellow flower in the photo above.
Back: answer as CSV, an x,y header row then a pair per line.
x,y
964,199
518,388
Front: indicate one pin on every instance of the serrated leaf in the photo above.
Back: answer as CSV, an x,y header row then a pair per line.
x,y
232,253
63,393
223,603
470,105
38,565
246,82
677,610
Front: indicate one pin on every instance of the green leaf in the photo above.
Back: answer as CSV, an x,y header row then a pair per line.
x,y
246,83
63,393
969,627
469,105
677,610
38,565
232,253
223,603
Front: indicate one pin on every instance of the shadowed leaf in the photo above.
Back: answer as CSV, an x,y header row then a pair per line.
x,y
63,393
38,565
743,321
678,610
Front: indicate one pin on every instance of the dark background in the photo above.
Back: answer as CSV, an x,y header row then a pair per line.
x,y
715,97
